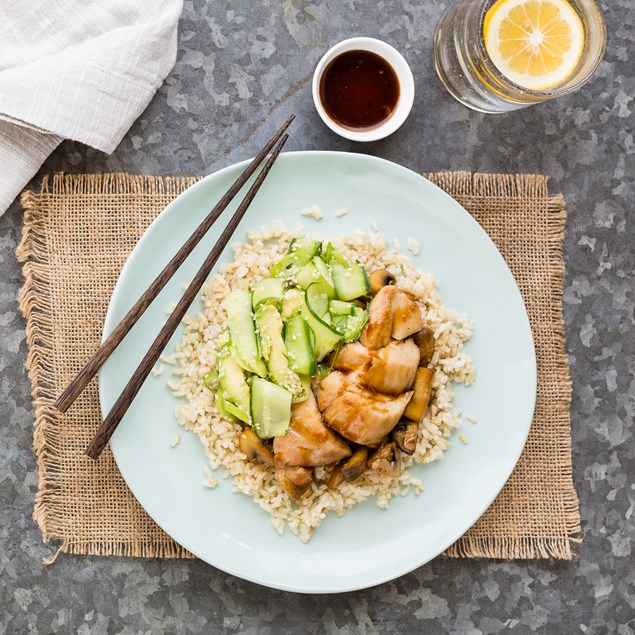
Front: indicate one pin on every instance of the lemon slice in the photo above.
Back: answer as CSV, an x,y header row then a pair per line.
x,y
536,44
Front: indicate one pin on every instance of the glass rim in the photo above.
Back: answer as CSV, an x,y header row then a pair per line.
x,y
560,89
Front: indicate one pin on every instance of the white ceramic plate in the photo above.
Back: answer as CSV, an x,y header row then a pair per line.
x,y
369,545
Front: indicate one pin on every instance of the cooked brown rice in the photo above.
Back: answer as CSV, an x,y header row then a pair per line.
x,y
196,353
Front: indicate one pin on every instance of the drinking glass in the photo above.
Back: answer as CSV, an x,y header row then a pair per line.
x,y
468,72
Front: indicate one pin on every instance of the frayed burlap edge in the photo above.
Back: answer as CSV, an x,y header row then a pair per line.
x,y
498,185
34,301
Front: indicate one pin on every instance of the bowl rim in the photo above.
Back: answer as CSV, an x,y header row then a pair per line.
x,y
406,87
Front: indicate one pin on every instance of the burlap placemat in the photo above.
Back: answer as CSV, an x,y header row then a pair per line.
x,y
78,231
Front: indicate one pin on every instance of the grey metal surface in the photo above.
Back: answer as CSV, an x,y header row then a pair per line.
x,y
242,68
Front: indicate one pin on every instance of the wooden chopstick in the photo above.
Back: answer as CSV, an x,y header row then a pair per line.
x,y
83,378
143,370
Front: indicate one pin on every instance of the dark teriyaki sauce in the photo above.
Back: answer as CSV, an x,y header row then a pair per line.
x,y
359,90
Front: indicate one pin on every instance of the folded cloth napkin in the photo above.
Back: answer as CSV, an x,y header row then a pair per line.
x,y
76,69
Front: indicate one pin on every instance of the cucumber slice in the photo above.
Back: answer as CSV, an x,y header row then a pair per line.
x,y
334,257
281,268
298,340
243,332
339,323
221,405
228,410
354,324
305,248
269,291
211,380
336,352
261,367
305,381
314,271
323,269
350,282
269,325
270,408
291,302
234,383
326,337
318,297
262,318
305,276
301,250
337,307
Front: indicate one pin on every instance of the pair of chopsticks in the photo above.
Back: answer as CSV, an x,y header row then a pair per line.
x,y
133,386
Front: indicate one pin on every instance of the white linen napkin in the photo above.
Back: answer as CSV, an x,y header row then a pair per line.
x,y
76,69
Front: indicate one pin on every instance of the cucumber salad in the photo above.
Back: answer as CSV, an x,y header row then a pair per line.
x,y
282,334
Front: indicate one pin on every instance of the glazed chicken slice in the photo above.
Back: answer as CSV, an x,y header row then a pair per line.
x,y
358,414
308,441
393,368
392,314
377,331
390,369
406,319
353,356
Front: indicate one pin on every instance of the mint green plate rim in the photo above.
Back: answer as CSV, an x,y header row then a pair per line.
x,y
369,545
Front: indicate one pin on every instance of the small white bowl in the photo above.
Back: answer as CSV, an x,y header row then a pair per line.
x,y
406,87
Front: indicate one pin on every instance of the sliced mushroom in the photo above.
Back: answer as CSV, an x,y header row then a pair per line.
x,y
336,478
406,316
424,339
328,469
376,333
253,447
294,480
386,461
355,465
422,392
405,436
380,278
